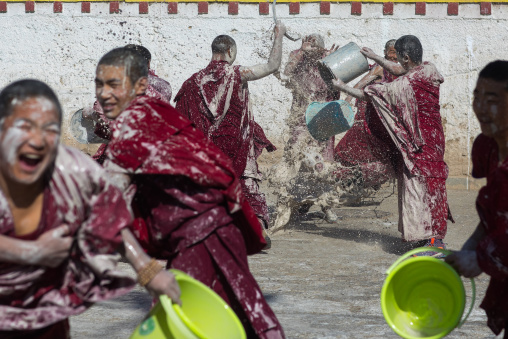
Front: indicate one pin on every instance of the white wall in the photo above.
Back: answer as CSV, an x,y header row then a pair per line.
x,y
62,49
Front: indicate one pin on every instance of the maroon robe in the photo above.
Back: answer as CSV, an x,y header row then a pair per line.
x,y
76,194
408,111
217,102
361,148
190,206
492,251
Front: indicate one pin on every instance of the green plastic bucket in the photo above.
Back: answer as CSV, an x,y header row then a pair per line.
x,y
203,315
424,297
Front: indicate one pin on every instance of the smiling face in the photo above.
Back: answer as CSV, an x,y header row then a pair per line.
x,y
391,54
490,105
28,140
114,89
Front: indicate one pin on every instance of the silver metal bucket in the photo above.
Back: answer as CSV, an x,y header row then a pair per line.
x,y
345,64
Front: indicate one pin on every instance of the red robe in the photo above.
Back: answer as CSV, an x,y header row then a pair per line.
x,y
76,194
408,111
190,205
359,147
492,251
217,102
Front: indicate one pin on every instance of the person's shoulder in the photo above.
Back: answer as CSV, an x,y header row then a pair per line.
x,y
73,163
70,158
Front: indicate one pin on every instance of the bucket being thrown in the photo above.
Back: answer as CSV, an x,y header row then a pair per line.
x,y
346,63
424,297
326,119
203,314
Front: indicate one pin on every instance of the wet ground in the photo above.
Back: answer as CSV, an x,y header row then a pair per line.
x,y
322,280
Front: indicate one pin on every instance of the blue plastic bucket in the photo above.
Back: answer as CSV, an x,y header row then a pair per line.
x,y
326,119
346,63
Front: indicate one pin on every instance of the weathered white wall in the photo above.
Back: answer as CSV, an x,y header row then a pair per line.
x,y
62,49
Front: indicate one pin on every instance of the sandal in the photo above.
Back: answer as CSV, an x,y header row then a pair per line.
x,y
433,242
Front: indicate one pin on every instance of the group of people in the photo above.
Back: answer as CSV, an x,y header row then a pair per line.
x,y
182,184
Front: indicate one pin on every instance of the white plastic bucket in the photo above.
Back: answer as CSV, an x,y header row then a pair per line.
x,y
346,63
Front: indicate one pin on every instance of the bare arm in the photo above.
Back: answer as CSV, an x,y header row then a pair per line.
x,y
163,282
50,249
390,66
354,92
262,70
373,75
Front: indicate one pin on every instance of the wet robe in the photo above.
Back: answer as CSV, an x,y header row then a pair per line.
x,y
190,206
217,102
359,149
408,110
492,250
36,297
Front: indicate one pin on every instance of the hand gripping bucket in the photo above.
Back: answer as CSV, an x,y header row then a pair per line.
x,y
203,314
326,119
346,63
423,297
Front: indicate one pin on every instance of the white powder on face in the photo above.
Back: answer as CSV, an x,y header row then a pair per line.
x,y
11,141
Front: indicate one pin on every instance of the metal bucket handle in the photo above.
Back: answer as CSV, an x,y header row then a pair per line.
x,y
295,38
446,252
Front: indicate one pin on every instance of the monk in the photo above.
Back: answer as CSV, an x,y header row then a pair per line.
x,y
296,178
409,123
57,233
187,199
487,248
216,100
157,88
364,163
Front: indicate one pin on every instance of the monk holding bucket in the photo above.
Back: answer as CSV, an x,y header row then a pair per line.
x,y
407,119
364,167
487,248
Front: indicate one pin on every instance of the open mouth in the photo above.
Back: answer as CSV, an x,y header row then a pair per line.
x,y
30,162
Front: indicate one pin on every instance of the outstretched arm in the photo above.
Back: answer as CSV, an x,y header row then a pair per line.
x,y
260,71
390,66
351,91
373,75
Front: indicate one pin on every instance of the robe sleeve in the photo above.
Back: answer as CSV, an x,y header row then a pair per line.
x,y
481,153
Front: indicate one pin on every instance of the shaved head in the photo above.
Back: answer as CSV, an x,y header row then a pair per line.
x,y
390,43
496,70
318,38
222,44
135,64
411,46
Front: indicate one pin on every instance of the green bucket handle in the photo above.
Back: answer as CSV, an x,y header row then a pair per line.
x,y
446,252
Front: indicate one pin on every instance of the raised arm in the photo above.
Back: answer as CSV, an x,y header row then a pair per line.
x,y
262,70
373,75
390,66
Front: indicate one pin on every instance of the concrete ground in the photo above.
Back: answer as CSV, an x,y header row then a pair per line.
x,y
322,280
